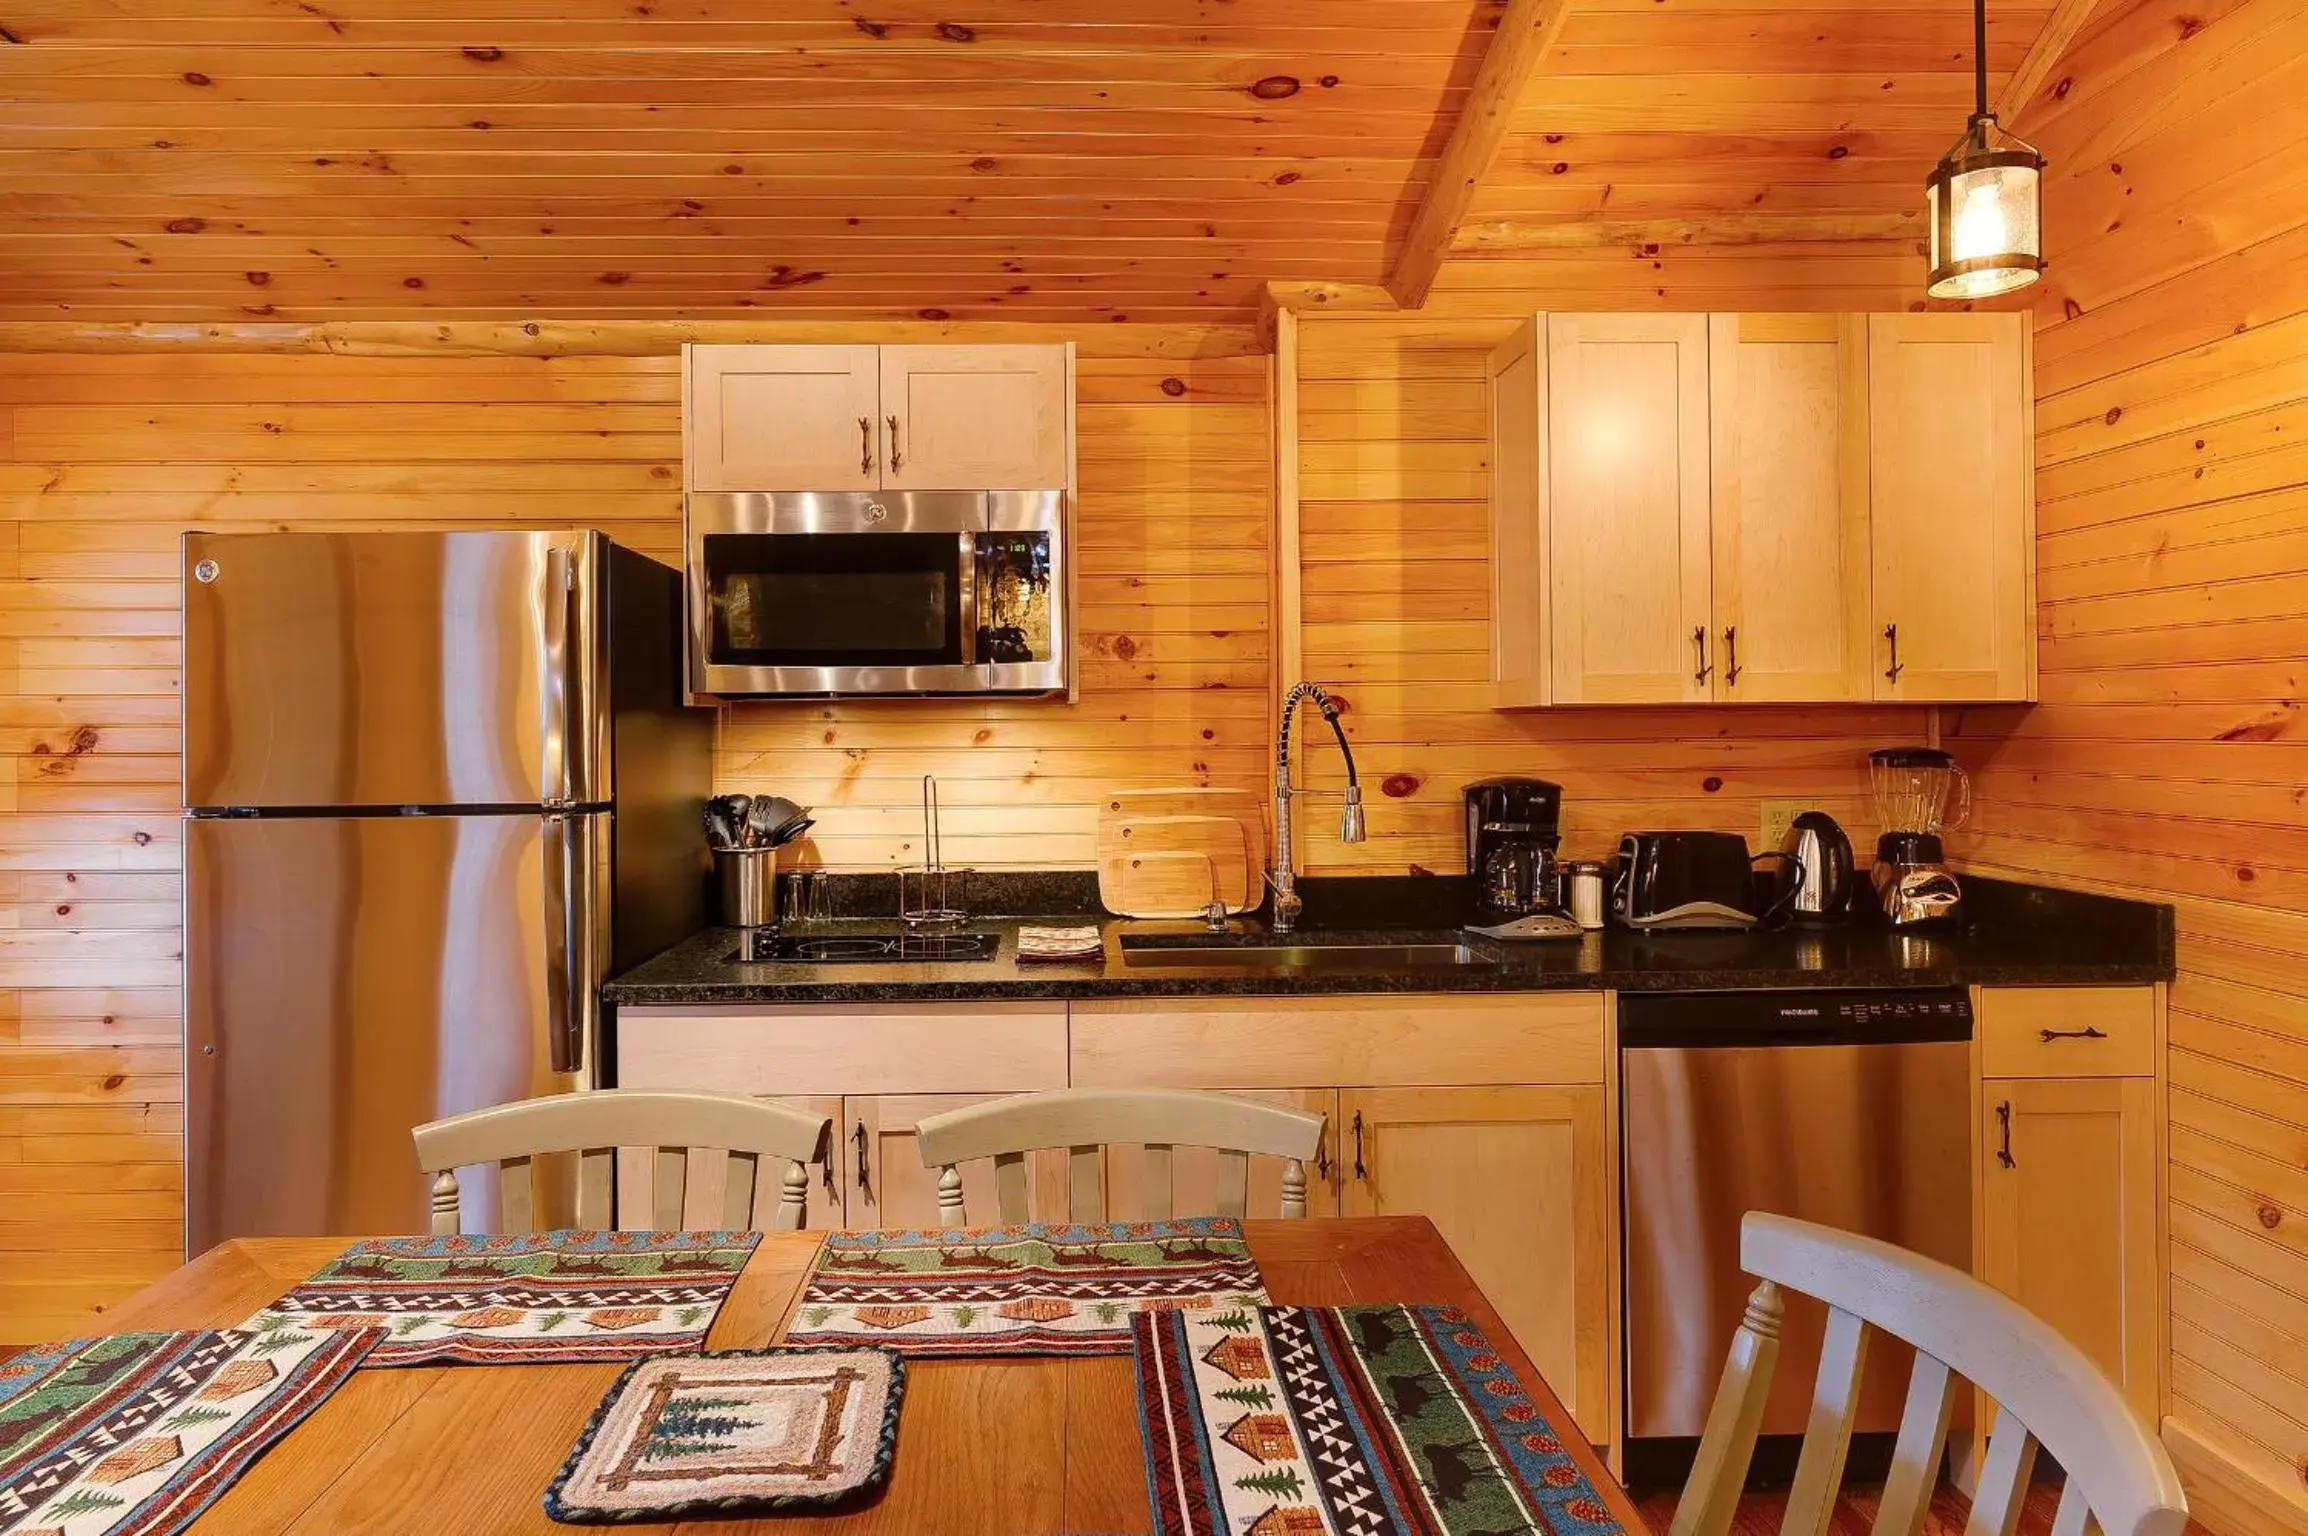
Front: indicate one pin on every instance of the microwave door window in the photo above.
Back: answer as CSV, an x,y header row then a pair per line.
x,y
835,600
1014,580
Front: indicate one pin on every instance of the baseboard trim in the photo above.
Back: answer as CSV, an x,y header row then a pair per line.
x,y
2229,1497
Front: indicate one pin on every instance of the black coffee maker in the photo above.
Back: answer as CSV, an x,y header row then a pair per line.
x,y
1514,827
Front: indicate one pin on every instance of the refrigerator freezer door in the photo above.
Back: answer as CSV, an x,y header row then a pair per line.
x,y
393,669
345,980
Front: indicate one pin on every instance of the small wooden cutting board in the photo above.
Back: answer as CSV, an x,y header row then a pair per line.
x,y
1121,833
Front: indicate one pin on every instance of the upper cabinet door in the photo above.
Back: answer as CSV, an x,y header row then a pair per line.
x,y
1954,519
772,418
1789,420
1626,517
964,418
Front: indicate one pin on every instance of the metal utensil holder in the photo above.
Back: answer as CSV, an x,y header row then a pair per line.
x,y
930,895
749,886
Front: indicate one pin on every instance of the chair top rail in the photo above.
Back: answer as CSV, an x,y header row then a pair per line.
x,y
621,1118
1074,1117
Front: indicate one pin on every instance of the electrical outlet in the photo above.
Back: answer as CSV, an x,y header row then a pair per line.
x,y
1778,817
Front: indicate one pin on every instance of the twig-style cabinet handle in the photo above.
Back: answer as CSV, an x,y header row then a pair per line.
x,y
1699,639
897,459
2088,1032
865,445
864,1170
1322,1151
1361,1171
1731,655
1891,633
2003,1120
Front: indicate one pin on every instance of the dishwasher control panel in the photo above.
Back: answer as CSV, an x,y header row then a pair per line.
x,y
1793,1016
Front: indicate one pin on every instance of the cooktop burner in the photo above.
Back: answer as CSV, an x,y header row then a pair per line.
x,y
871,948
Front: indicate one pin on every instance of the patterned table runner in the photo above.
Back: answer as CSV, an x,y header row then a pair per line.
x,y
1325,1421
538,1299
136,1434
1026,1290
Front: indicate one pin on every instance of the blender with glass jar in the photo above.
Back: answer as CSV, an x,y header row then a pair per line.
x,y
1919,793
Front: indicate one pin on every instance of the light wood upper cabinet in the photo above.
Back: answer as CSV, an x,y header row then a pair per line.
x,y
974,417
862,418
1625,521
768,418
1787,401
1735,507
2068,1227
1515,1179
1953,522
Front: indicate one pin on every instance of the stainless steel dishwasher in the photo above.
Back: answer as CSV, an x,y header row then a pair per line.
x,y
1851,1108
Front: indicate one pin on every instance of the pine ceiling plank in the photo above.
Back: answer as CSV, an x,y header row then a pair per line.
x,y
1740,228
1524,34
2052,40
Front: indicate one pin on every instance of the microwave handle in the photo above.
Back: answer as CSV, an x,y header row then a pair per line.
x,y
968,569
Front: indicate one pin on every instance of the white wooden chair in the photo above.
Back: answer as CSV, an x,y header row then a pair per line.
x,y
1084,1120
687,1136
2046,1393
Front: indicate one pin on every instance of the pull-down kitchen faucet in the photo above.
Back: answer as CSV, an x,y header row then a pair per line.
x,y
1284,879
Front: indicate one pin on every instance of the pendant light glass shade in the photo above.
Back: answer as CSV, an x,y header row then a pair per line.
x,y
1985,208
1984,201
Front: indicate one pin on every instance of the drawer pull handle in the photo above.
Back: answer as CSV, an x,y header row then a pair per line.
x,y
2088,1032
1360,1170
2003,1119
864,1170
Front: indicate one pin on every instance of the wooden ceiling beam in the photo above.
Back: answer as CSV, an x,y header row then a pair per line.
x,y
1526,32
2059,31
1505,235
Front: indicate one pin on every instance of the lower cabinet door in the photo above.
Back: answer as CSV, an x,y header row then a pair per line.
x,y
1515,1180
2068,1201
1194,1170
883,1181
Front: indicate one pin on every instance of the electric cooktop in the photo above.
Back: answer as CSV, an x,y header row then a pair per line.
x,y
765,945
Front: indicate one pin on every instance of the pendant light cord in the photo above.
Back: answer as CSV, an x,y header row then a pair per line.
x,y
1979,56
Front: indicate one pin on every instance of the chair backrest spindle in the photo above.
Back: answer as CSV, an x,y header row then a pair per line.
x,y
693,1159
2046,1393
1084,1122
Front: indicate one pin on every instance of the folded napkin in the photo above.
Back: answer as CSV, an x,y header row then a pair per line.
x,y
1060,944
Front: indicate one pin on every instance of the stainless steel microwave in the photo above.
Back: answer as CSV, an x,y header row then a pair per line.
x,y
877,592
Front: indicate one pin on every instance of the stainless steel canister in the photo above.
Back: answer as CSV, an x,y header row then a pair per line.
x,y
749,886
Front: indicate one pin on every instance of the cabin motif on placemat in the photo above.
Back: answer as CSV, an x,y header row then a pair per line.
x,y
1037,1289
535,1298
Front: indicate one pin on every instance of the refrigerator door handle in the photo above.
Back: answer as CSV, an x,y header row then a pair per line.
x,y
575,938
560,676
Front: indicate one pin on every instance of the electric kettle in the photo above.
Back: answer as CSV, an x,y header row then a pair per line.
x,y
1818,879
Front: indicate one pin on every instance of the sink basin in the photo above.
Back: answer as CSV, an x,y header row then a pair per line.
x,y
1303,957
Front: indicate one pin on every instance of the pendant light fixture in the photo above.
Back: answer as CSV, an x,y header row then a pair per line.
x,y
1984,201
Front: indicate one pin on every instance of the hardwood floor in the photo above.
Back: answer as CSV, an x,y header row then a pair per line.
x,y
1760,1512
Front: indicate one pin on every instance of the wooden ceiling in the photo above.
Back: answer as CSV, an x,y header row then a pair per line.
x,y
1153,160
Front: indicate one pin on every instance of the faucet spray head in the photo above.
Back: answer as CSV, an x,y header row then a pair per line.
x,y
1350,829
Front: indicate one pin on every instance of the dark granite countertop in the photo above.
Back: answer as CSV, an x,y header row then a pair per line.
x,y
2012,935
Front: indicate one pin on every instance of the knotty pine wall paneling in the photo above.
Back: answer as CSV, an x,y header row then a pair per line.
x,y
2167,757
104,460
1394,482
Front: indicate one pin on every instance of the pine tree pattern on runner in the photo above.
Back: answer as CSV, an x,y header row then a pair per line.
x,y
1348,1421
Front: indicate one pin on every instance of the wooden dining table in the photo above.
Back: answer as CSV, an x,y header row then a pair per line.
x,y
986,1446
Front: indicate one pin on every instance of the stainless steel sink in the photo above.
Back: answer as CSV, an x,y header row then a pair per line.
x,y
1303,957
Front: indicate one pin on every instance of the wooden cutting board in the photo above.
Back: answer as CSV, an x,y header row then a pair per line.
x,y
1126,807
1174,866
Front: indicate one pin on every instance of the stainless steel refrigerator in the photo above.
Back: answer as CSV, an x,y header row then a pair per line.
x,y
437,787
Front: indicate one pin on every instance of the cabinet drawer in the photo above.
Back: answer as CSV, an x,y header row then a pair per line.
x,y
1383,1042
2047,1032
855,1049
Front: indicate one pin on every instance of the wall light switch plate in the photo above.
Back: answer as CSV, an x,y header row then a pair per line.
x,y
1778,816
